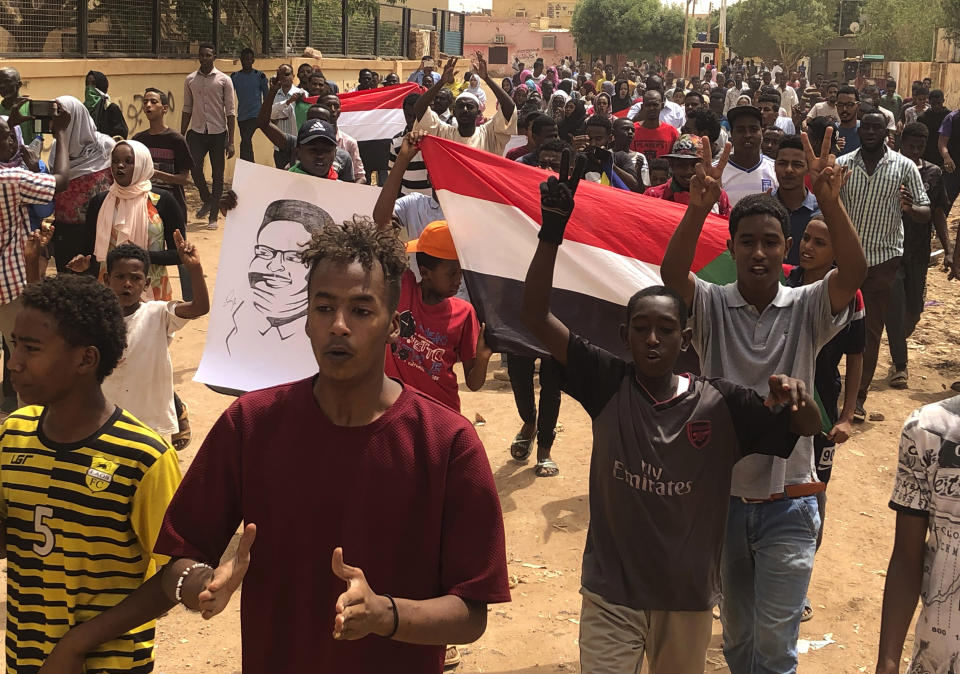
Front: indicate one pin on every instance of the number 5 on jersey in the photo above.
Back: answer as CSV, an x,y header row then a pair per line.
x,y
41,513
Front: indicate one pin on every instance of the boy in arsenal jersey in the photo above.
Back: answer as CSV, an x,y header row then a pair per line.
x,y
664,447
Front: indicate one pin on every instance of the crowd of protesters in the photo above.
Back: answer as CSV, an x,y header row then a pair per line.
x,y
833,194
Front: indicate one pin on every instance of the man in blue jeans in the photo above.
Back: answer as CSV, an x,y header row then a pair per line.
x,y
745,332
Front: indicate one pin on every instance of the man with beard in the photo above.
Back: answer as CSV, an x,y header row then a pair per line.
x,y
491,136
848,103
827,108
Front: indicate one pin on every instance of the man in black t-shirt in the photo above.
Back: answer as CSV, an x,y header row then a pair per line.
x,y
664,447
169,149
171,161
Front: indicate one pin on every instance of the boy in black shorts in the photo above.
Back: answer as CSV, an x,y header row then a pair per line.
x,y
664,447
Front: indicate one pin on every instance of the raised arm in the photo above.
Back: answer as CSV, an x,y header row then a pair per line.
x,y
828,179
426,100
190,258
271,130
556,206
901,590
61,163
705,191
383,209
507,105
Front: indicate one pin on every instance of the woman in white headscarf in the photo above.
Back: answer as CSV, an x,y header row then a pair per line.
x,y
475,89
89,174
131,211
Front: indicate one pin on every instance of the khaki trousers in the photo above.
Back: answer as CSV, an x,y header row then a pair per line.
x,y
614,639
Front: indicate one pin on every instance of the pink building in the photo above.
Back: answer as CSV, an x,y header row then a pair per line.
x,y
502,39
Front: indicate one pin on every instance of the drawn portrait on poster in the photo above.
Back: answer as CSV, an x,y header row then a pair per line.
x,y
257,332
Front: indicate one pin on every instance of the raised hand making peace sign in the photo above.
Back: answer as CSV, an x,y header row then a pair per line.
x,y
826,177
556,199
706,185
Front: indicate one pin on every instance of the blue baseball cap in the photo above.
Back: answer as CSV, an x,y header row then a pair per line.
x,y
312,129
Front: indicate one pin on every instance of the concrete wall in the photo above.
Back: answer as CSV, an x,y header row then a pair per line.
x,y
945,76
48,78
519,38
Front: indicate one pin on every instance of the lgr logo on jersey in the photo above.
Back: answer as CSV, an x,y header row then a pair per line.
x,y
100,473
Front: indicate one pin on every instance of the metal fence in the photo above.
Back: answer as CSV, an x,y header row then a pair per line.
x,y
174,28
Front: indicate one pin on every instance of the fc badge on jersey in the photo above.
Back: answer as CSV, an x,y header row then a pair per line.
x,y
698,433
100,473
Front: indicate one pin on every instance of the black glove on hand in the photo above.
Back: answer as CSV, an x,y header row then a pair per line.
x,y
556,199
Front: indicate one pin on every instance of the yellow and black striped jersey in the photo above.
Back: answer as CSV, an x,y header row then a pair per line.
x,y
81,520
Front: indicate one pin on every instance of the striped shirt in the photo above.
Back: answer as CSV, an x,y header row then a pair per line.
x,y
873,201
81,521
18,188
415,178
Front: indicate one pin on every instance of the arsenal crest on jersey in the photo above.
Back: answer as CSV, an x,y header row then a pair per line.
x,y
698,433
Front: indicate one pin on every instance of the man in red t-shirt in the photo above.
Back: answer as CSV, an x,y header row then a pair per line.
x,y
346,465
687,152
652,137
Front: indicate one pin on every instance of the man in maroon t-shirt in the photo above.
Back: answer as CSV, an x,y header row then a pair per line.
x,y
346,465
652,137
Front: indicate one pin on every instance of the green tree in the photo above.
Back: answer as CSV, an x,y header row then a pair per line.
x,y
627,27
779,29
899,29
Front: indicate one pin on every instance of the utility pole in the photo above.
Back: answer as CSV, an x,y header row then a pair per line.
x,y
686,36
723,31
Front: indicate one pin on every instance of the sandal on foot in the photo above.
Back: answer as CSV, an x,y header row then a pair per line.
x,y
181,439
859,414
452,657
521,448
546,468
899,380
807,612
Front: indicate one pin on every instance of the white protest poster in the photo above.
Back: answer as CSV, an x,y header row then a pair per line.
x,y
256,336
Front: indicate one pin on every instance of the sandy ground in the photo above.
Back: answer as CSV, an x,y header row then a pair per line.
x,y
546,519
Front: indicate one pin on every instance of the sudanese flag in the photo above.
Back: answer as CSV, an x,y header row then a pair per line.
x,y
613,245
372,116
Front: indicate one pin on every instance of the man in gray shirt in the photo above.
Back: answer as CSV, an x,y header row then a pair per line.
x,y
745,332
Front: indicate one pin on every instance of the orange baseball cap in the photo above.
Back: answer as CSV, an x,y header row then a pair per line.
x,y
435,240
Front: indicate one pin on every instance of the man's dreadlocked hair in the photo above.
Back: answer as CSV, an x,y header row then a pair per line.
x,y
360,240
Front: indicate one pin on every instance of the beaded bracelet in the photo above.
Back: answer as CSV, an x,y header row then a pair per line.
x,y
396,617
183,577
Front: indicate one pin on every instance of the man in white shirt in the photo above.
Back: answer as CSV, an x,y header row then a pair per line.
x,y
827,108
491,136
788,95
734,92
284,113
671,113
748,171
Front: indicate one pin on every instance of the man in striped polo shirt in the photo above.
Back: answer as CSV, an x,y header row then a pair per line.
x,y
883,187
